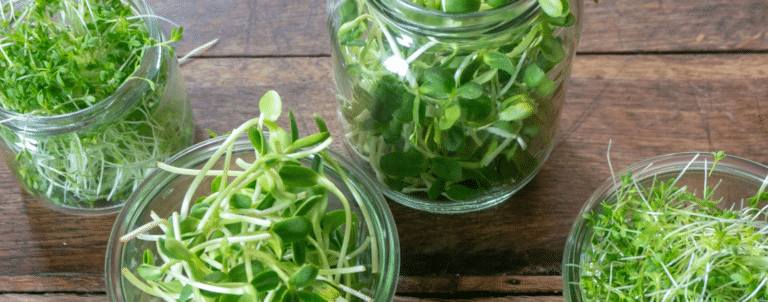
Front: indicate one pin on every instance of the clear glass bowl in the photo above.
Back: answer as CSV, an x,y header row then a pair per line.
x,y
163,192
737,180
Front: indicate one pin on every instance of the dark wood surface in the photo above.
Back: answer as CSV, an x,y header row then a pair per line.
x,y
651,77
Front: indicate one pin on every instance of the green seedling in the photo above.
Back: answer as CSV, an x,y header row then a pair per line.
x,y
443,119
265,232
663,242
63,56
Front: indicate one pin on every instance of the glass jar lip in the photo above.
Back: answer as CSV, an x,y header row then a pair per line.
x,y
673,163
39,125
444,26
381,216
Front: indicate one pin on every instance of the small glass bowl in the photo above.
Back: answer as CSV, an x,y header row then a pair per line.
x,y
736,178
163,192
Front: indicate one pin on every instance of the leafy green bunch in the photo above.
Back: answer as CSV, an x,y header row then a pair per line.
x,y
60,57
451,119
264,232
663,243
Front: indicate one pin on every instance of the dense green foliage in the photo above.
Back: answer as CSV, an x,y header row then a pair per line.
x,y
61,57
445,118
663,243
265,232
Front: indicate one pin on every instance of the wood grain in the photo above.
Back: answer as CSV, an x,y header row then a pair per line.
x,y
102,298
648,105
298,27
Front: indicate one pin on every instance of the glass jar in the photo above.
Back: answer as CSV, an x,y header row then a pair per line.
x,y
451,112
89,161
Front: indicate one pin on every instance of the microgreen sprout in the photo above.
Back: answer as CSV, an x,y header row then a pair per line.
x,y
265,232
447,119
61,57
660,241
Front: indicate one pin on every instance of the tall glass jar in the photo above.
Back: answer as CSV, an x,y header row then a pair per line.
x,y
452,112
89,161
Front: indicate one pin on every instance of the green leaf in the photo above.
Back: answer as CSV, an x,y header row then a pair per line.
x,y
477,110
497,3
516,112
450,116
446,168
266,281
270,106
453,138
552,49
239,272
299,251
310,204
546,87
333,220
499,61
216,184
321,127
215,277
402,164
304,276
176,249
186,293
292,229
240,201
461,192
294,127
533,75
298,176
470,90
308,141
149,272
388,95
461,6
306,296
553,8
437,82
148,257
256,136
436,189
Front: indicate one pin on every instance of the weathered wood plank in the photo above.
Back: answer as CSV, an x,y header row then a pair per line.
x,y
102,298
298,27
647,106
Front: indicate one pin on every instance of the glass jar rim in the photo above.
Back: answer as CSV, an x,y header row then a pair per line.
x,y
153,185
422,20
107,109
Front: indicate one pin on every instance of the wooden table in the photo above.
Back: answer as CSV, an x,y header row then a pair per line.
x,y
653,77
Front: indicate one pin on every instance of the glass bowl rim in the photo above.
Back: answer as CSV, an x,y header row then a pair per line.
x,y
380,213
644,170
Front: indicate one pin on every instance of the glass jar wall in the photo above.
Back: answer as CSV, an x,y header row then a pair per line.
x,y
88,161
451,112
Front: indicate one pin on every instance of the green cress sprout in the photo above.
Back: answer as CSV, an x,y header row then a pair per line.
x,y
264,233
461,120
62,56
663,243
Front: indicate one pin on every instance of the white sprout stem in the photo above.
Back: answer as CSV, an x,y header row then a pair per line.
x,y
200,48
346,270
212,161
248,219
140,230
